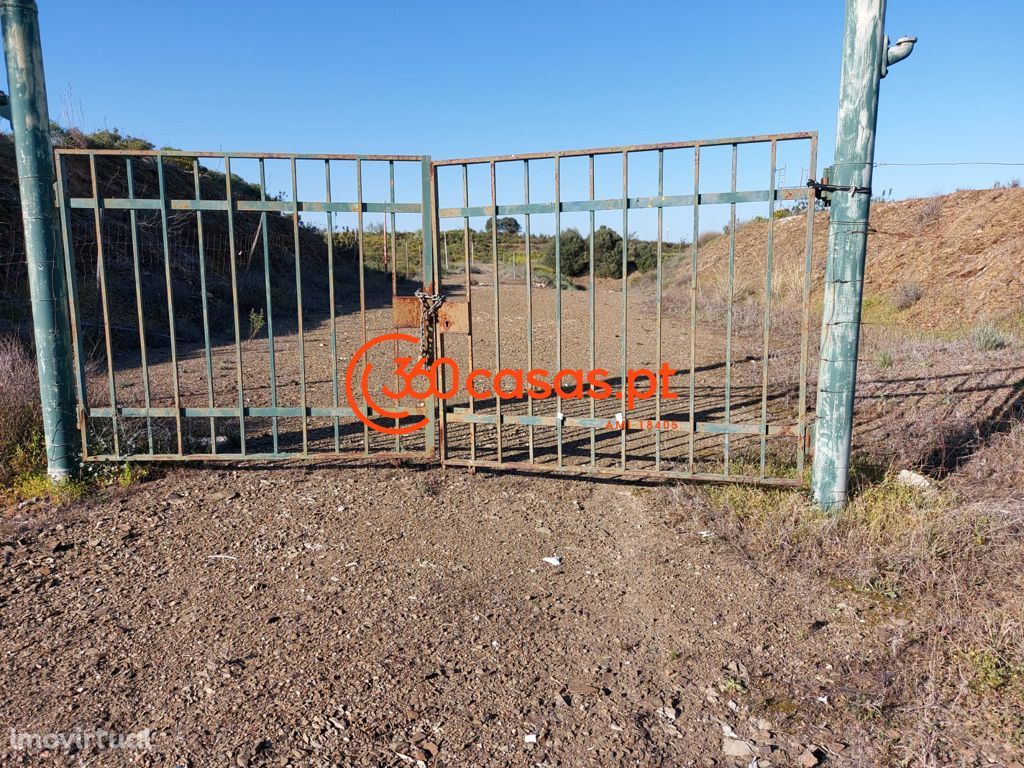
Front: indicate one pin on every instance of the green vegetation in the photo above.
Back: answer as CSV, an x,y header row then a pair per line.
x,y
574,253
988,338
22,449
644,254
21,421
508,226
105,138
256,321
990,669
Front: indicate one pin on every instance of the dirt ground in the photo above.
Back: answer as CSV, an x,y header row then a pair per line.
x,y
378,616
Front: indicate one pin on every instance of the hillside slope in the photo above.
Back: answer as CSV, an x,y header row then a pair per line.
x,y
964,250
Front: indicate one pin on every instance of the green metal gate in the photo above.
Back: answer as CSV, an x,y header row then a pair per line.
x,y
721,415
212,319
218,314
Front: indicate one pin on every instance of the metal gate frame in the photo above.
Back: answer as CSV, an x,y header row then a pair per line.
x,y
98,203
800,428
437,413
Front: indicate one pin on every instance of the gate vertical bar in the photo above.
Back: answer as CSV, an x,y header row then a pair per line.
x,y
558,303
270,309
864,62
72,285
101,273
529,303
394,284
137,271
233,265
47,284
168,283
657,305
429,201
805,321
467,255
591,300
362,280
625,305
693,304
204,303
497,305
731,289
298,299
767,321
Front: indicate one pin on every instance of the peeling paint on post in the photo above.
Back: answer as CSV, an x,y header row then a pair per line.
x,y
864,52
47,283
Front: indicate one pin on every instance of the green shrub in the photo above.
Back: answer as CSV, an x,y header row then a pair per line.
x,y
988,338
574,253
644,254
256,321
607,252
181,161
112,139
67,137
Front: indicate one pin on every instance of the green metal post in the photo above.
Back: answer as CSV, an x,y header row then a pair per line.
x,y
47,284
865,58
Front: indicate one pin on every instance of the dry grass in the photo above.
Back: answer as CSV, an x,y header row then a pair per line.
x,y
944,561
963,248
908,294
21,448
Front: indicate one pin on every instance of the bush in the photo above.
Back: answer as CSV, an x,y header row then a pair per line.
x,y
988,338
574,253
707,237
644,254
67,137
607,252
930,213
112,139
21,420
908,294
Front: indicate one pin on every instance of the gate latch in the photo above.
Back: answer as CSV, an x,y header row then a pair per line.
x,y
823,189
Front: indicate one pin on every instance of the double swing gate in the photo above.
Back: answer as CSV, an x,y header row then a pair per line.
x,y
596,311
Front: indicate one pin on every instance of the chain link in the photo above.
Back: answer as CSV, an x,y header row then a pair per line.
x,y
430,303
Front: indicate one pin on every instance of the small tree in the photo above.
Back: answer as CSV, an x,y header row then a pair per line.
x,y
607,252
507,225
574,253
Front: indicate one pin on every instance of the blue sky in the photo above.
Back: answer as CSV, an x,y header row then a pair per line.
x,y
458,79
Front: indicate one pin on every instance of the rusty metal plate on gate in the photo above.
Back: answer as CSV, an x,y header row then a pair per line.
x,y
453,317
407,311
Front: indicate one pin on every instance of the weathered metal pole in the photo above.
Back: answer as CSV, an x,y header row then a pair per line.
x,y
866,56
47,284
